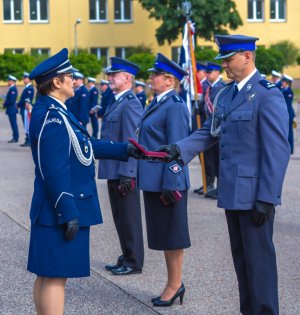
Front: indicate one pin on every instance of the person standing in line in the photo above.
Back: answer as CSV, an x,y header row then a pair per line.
x,y
79,103
276,78
250,122
26,101
211,155
119,123
165,186
65,201
286,84
107,97
93,102
140,92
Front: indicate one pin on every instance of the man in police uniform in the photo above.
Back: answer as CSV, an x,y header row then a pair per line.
x,y
250,122
118,124
93,103
11,108
211,155
140,92
276,76
107,97
26,98
79,103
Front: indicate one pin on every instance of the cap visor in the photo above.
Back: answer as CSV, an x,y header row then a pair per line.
x,y
110,70
221,56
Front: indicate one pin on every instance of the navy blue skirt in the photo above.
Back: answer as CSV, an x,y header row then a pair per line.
x,y
52,255
167,226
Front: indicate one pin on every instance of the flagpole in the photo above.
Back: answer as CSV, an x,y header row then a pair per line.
x,y
187,8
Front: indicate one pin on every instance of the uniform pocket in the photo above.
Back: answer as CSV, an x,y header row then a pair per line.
x,y
246,183
241,123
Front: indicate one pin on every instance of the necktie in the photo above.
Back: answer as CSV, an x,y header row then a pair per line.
x,y
235,92
154,101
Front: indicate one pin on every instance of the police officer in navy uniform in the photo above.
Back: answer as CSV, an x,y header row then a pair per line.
x,y
79,103
165,186
93,103
211,155
286,87
276,78
118,124
65,201
26,97
11,108
140,92
107,97
250,122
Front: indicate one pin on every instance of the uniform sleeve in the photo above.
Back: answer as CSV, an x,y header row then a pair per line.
x,y
109,150
54,166
131,115
273,131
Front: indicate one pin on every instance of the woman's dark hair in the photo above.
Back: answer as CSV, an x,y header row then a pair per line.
x,y
46,87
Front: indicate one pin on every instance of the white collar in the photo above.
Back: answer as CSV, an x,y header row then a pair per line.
x,y
117,96
28,84
213,84
245,80
161,95
60,102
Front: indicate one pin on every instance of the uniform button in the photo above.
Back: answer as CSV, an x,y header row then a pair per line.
x,y
222,158
222,145
81,195
59,214
224,130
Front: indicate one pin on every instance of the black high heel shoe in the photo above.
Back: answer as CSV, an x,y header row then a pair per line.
x,y
155,299
180,293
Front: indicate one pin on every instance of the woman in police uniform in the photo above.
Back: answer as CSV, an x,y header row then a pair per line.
x,y
165,186
65,202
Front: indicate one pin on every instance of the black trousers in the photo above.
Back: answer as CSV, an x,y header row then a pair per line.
x,y
254,259
126,211
211,158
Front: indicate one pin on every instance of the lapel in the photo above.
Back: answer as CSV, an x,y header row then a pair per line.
x,y
151,108
116,103
242,96
68,114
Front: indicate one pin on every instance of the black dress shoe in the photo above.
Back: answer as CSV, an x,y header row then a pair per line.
x,y
180,293
25,144
111,267
12,141
212,194
198,190
124,271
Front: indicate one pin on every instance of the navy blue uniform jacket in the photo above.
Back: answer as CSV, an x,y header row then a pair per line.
x,y
93,97
28,93
10,101
79,105
64,187
107,98
253,142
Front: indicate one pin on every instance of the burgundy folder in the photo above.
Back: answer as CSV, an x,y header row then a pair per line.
x,y
150,154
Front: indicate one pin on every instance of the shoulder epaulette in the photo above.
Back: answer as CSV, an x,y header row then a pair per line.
x,y
52,106
228,84
129,96
267,84
177,99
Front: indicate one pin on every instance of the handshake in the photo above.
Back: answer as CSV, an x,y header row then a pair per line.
x,y
165,153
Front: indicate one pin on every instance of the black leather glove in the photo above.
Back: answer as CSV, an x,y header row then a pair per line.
x,y
134,152
169,197
72,228
172,150
261,212
127,184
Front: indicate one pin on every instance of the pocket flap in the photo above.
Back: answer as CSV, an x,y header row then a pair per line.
x,y
82,192
241,115
247,171
112,118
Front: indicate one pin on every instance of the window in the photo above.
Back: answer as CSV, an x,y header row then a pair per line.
x,y
101,53
14,50
40,51
121,52
98,10
123,10
278,10
38,11
12,11
175,53
255,10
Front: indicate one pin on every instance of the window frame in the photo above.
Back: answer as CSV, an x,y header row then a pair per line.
x,y
12,13
277,19
98,53
97,10
14,51
39,51
254,8
38,20
122,6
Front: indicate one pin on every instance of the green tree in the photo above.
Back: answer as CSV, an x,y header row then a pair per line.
x,y
205,54
268,59
140,49
15,64
298,60
145,60
86,63
215,16
288,49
